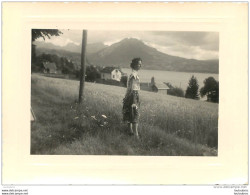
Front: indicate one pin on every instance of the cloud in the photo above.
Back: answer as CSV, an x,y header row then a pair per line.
x,y
60,41
112,36
74,35
189,52
206,40
197,45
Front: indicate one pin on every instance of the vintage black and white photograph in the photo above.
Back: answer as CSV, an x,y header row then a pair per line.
x,y
113,92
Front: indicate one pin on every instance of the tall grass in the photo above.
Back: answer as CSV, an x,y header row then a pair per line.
x,y
168,125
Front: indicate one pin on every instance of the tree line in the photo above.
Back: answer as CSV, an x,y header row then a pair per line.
x,y
65,65
210,89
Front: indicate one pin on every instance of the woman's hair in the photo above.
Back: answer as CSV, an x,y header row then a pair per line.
x,y
135,62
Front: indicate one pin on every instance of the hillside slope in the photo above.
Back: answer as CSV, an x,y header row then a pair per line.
x,y
169,125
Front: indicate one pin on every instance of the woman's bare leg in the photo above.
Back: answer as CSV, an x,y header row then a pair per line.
x,y
130,125
135,128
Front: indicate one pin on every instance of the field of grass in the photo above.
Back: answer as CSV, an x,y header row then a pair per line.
x,y
169,125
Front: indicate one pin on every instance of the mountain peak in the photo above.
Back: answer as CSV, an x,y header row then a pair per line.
x,y
131,40
71,43
121,53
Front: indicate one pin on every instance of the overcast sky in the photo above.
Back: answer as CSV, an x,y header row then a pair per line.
x,y
196,45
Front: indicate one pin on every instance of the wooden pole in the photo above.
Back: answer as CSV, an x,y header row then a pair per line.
x,y
83,66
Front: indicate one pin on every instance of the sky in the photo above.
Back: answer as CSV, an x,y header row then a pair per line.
x,y
191,45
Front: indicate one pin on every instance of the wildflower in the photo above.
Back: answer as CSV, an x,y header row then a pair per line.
x,y
93,117
104,116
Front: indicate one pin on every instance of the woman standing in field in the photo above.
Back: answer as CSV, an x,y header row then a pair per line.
x,y
131,102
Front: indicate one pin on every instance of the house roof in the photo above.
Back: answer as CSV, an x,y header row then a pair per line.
x,y
169,85
109,69
161,86
49,65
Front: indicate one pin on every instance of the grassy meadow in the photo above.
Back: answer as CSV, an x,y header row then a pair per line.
x,y
169,125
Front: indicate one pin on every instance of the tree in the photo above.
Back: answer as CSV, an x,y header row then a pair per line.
x,y
37,33
92,73
152,81
192,89
210,89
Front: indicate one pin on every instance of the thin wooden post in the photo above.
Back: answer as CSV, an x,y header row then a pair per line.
x,y
83,66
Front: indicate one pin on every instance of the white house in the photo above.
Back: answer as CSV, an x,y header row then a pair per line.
x,y
111,73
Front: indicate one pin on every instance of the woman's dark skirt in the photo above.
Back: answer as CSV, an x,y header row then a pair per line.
x,y
130,114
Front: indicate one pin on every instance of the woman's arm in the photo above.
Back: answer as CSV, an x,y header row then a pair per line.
x,y
133,91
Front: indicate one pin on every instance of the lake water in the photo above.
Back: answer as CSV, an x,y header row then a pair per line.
x,y
178,79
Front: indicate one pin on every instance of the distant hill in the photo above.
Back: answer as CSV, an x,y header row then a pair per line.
x,y
121,53
73,56
95,47
71,47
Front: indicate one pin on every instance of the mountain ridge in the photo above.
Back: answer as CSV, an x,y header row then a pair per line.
x,y
121,53
71,47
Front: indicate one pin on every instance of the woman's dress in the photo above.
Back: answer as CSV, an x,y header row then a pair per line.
x,y
130,114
